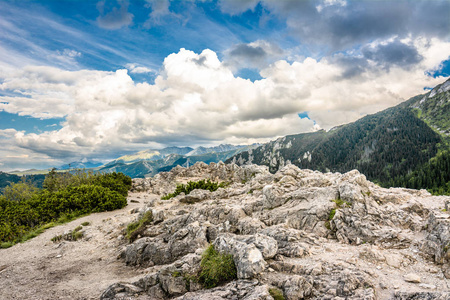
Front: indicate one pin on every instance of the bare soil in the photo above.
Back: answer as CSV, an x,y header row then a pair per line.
x,y
42,269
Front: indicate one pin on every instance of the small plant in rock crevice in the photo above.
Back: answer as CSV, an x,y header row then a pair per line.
x,y
216,268
276,294
339,204
134,229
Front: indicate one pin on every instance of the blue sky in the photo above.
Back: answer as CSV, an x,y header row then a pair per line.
x,y
99,79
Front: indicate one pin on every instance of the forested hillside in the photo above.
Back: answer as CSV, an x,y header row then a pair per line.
x,y
406,145
6,179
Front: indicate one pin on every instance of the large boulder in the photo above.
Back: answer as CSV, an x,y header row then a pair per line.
x,y
248,258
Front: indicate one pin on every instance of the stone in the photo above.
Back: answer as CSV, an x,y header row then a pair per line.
x,y
248,259
427,286
268,221
411,277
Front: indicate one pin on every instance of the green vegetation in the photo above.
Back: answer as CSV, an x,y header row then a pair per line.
x,y
393,148
192,185
20,191
134,229
276,294
433,175
332,214
341,203
65,197
176,274
7,179
73,235
85,223
216,268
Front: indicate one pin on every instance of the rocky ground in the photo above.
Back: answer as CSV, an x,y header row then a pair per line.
x,y
309,235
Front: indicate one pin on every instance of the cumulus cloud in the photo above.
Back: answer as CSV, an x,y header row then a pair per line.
x,y
196,98
135,69
116,18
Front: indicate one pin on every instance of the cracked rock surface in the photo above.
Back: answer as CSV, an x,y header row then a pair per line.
x,y
305,234
308,234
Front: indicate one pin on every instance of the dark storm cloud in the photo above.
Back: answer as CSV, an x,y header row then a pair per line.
x,y
382,56
247,51
342,26
117,18
352,65
395,53
256,55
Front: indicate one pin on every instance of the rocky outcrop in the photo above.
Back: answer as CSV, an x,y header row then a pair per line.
x,y
309,235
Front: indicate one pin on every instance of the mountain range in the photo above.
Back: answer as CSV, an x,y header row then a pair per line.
x,y
151,162
406,145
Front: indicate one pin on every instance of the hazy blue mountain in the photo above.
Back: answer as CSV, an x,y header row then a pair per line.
x,y
82,164
150,155
220,148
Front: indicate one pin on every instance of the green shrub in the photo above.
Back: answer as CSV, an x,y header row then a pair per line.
x,y
134,229
20,191
65,198
216,268
192,185
276,294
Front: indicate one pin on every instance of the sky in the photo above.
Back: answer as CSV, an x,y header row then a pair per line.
x,y
99,79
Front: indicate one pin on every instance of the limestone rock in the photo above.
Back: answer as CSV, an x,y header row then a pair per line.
x,y
248,259
411,277
312,235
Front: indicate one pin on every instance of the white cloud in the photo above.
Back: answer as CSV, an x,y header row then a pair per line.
x,y
196,98
135,69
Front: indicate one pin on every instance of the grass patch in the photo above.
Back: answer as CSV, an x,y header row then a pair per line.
x,y
276,294
5,245
341,203
192,185
216,268
134,229
176,274
332,214
85,223
73,235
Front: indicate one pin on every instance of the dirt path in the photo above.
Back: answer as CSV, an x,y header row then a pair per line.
x,y
42,269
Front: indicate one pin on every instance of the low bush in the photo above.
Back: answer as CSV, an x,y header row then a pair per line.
x,y
192,185
216,268
27,217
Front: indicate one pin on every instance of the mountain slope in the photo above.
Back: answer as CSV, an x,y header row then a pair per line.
x,y
385,146
6,179
137,166
151,155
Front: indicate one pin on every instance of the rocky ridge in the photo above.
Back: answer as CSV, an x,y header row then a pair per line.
x,y
308,234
